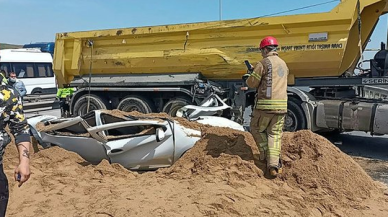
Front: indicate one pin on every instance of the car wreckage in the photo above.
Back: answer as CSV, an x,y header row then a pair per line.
x,y
137,143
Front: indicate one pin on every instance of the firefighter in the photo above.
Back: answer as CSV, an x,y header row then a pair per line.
x,y
269,78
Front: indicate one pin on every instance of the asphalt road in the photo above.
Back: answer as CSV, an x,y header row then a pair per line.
x,y
42,111
371,152
360,144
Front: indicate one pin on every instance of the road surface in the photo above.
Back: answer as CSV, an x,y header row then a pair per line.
x,y
43,111
371,152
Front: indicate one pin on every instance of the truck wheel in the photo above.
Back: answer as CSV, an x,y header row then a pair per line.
x,y
172,106
295,119
136,103
81,105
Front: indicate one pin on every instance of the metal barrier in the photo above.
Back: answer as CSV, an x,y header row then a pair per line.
x,y
36,105
38,101
30,98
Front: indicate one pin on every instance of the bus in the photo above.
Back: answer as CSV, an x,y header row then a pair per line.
x,y
32,66
47,47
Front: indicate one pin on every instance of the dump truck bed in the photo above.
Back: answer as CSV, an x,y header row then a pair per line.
x,y
313,45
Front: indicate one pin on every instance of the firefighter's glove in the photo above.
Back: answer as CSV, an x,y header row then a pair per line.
x,y
246,76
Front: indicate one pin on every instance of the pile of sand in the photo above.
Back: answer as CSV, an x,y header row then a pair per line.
x,y
217,177
313,163
221,153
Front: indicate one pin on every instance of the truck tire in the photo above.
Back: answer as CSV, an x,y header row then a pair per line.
x,y
136,103
172,106
295,118
96,103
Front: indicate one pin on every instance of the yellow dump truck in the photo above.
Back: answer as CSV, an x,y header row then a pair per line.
x,y
162,68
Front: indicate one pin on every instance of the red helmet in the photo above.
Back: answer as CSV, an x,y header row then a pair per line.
x,y
268,41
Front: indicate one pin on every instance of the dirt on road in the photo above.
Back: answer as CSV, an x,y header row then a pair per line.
x,y
217,177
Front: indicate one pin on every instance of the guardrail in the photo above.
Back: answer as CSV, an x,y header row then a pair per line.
x,y
30,98
36,105
38,101
373,92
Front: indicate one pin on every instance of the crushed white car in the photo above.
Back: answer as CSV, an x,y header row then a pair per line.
x,y
136,143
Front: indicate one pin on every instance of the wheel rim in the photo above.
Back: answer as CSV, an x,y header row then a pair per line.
x,y
129,105
173,108
291,122
130,108
84,107
173,112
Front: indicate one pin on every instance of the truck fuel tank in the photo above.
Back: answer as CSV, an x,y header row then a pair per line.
x,y
353,116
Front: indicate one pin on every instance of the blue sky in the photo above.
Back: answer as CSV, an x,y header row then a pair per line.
x,y
25,21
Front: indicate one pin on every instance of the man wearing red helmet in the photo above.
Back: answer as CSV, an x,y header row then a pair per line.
x,y
269,78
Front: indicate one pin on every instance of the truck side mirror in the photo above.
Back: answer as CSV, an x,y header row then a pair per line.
x,y
160,134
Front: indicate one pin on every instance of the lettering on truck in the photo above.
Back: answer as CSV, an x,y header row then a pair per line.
x,y
375,81
311,47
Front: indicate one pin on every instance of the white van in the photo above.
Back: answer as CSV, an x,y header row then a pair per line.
x,y
31,66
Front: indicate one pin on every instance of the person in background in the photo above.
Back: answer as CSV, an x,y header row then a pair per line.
x,y
62,95
12,115
17,84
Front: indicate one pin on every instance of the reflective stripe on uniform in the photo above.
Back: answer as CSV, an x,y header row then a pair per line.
x,y
256,76
265,104
271,101
279,128
269,77
271,107
274,152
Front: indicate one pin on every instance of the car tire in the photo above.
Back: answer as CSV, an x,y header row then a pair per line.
x,y
96,103
136,103
295,118
173,105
